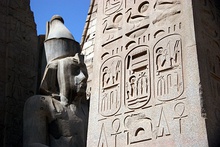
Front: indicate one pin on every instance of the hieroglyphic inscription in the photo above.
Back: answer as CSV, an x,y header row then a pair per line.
x,y
112,28
179,108
139,128
137,18
102,138
166,10
140,72
137,77
162,127
110,96
168,68
116,126
111,6
112,22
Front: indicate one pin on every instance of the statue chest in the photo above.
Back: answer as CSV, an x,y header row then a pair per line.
x,y
66,127
65,123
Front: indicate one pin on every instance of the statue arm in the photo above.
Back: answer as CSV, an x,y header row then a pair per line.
x,y
35,123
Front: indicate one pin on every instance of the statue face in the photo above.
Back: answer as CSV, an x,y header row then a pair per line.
x,y
65,77
72,78
80,78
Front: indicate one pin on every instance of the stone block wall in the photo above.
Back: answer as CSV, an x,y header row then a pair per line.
x,y
18,66
88,41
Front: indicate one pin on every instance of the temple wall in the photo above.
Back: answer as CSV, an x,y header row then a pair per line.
x,y
207,26
154,71
3,43
88,42
18,66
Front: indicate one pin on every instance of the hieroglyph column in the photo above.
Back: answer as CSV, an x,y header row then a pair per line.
x,y
147,87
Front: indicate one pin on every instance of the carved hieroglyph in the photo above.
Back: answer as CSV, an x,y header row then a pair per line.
x,y
168,75
110,95
137,77
142,60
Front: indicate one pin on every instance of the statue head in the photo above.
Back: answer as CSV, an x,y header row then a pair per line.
x,y
72,78
59,42
65,74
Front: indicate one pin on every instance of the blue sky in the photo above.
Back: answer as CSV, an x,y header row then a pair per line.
x,y
74,13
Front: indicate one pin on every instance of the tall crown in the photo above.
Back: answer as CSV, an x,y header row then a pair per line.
x,y
59,42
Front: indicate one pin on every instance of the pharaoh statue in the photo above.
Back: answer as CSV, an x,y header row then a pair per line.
x,y
58,117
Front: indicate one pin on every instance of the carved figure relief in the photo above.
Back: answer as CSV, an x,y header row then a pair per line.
x,y
137,78
110,97
168,74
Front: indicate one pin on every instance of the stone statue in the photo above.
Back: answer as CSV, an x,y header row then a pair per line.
x,y
58,117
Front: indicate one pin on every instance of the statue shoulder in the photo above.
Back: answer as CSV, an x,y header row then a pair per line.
x,y
37,102
35,121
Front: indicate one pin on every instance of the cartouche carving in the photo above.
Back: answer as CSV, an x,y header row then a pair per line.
x,y
137,93
110,95
168,74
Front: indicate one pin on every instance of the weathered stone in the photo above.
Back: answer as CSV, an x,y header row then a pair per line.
x,y
156,78
58,117
18,66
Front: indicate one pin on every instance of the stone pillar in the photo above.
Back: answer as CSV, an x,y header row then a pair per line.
x,y
156,77
207,27
18,66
